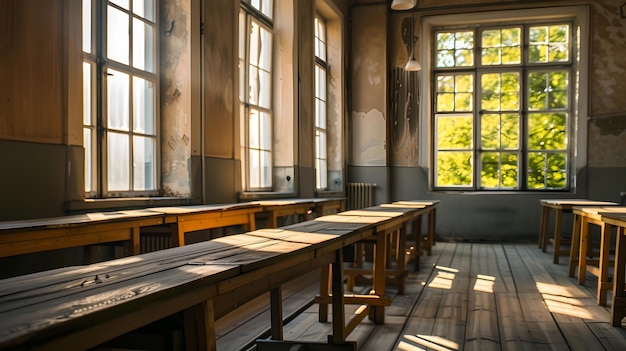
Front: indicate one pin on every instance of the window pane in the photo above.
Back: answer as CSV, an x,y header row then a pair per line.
x,y
143,46
117,35
144,8
143,106
320,114
546,131
266,131
87,143
454,168
255,168
320,82
455,49
454,132
265,53
499,170
118,98
253,85
500,91
509,172
549,44
266,169
265,86
87,25
118,160
556,172
254,130
255,44
267,8
143,163
536,170
501,46
87,94
548,90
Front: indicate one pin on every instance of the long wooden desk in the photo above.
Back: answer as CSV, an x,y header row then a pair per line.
x,y
581,251
274,209
36,235
431,211
560,206
82,307
185,219
618,304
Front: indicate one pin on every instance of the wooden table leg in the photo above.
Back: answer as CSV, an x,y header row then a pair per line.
x,y
604,285
543,230
339,321
276,313
574,254
582,252
200,327
380,272
324,293
557,236
618,307
417,233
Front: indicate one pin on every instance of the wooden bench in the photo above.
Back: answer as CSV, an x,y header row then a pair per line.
x,y
582,251
559,206
82,307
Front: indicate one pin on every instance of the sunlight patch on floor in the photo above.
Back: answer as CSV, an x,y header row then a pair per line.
x,y
421,342
484,283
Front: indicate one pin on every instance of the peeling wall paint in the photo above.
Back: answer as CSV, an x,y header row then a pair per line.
x,y
176,98
368,138
368,124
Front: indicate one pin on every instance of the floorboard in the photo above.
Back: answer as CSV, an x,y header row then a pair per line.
x,y
466,296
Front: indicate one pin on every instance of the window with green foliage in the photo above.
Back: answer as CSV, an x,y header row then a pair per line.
x,y
503,107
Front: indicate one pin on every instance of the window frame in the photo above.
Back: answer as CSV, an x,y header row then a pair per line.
x,y
578,16
321,63
98,170
248,14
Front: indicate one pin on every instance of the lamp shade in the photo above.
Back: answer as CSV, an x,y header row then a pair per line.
x,y
402,4
412,65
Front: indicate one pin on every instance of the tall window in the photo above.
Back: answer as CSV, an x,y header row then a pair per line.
x,y
321,66
120,97
255,94
503,108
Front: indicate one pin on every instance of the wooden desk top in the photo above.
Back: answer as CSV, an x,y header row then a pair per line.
x,y
77,220
183,210
568,204
614,218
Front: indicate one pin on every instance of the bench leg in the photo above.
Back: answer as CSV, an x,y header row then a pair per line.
x,y
200,327
582,252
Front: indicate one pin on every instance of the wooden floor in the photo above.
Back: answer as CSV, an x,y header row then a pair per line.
x,y
466,296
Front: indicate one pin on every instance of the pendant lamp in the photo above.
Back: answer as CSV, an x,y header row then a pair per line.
x,y
402,4
412,65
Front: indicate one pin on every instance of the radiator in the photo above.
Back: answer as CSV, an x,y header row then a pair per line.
x,y
360,195
155,242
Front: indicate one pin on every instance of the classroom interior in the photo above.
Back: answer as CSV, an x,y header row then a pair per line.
x,y
123,105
